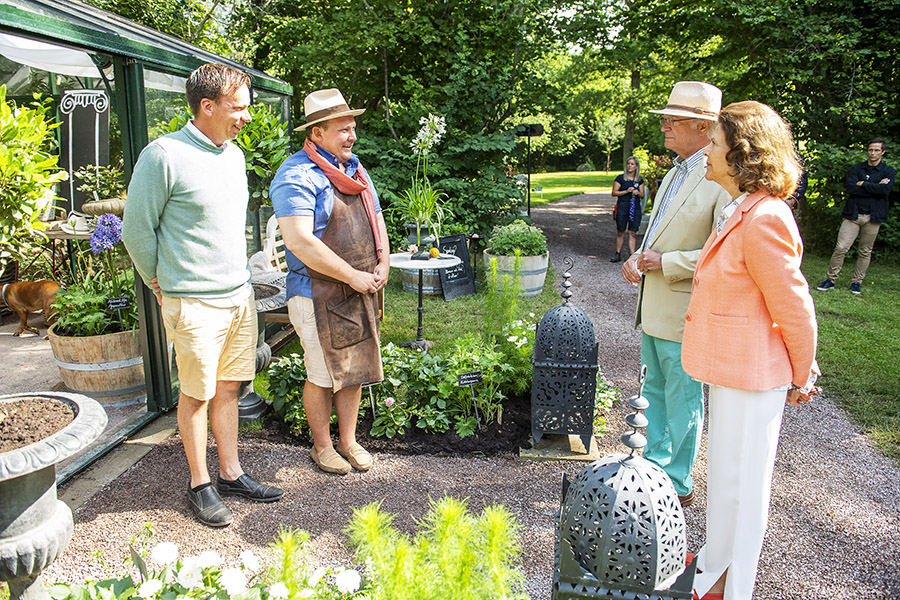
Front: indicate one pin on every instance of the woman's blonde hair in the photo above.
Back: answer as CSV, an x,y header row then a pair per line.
x,y
761,151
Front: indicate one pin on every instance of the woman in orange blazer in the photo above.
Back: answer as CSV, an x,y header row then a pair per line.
x,y
750,333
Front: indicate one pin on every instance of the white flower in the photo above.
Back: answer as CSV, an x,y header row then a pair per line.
x,y
307,593
209,559
347,581
233,580
149,588
433,128
190,576
164,553
278,591
512,339
316,576
249,560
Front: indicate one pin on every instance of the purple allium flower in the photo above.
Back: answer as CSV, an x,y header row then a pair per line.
x,y
107,234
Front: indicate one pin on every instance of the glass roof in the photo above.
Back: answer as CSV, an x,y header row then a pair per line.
x,y
84,26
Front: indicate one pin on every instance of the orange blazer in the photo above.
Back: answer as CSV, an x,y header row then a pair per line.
x,y
751,323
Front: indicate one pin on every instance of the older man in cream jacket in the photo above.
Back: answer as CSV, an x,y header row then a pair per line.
x,y
684,214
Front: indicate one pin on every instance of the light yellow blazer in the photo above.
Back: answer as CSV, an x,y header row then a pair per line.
x,y
664,295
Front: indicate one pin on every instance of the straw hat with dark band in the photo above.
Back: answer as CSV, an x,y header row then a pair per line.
x,y
323,105
693,99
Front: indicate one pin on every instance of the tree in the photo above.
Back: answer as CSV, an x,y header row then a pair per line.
x,y
473,63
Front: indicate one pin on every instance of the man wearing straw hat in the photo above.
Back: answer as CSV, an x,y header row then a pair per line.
x,y
684,214
337,252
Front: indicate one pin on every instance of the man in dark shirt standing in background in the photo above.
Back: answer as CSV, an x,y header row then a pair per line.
x,y
868,186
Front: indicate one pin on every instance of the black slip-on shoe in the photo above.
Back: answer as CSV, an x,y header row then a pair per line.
x,y
249,488
208,507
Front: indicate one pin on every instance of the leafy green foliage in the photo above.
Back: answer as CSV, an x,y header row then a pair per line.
x,y
102,181
81,305
454,555
28,172
517,237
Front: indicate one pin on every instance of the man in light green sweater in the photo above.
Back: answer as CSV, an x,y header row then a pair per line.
x,y
184,230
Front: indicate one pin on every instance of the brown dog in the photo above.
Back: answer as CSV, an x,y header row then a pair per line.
x,y
25,297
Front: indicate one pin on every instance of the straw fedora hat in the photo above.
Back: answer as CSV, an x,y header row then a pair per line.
x,y
693,99
322,105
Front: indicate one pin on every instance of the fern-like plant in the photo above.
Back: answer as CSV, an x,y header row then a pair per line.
x,y
454,555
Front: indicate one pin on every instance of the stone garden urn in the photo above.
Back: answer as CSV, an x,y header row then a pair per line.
x,y
34,525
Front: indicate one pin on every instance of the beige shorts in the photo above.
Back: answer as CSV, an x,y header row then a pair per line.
x,y
303,318
211,344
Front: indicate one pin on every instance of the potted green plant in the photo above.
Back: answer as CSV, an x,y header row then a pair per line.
x,y
519,250
106,184
28,174
421,203
95,340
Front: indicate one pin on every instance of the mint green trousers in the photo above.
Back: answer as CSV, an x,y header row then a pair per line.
x,y
675,412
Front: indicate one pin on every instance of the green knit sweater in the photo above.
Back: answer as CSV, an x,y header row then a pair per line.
x,y
185,215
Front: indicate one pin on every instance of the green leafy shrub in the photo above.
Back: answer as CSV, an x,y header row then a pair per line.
x,y
28,173
101,181
104,273
454,555
162,574
286,379
528,240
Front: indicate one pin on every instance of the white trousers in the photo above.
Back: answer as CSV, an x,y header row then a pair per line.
x,y
743,439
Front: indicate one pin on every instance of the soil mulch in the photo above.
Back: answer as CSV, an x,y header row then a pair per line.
x,y
30,420
513,432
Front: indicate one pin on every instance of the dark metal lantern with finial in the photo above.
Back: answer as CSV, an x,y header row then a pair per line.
x,y
564,381
621,531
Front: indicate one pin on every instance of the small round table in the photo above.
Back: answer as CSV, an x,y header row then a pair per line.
x,y
404,260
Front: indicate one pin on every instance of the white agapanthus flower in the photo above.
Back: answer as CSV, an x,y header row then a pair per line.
x,y
317,576
278,591
164,553
233,580
431,132
190,576
347,581
149,588
249,560
209,559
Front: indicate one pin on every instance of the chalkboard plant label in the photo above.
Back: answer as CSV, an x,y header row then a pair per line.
x,y
470,378
456,281
118,303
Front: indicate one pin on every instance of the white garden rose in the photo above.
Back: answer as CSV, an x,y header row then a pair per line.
x,y
348,581
164,553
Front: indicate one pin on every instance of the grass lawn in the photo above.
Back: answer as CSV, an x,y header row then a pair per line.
x,y
859,346
568,183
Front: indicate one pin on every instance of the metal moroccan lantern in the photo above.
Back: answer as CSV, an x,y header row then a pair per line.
x,y
621,532
564,381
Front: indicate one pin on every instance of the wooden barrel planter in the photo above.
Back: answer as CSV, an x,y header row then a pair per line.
x,y
108,368
532,270
431,281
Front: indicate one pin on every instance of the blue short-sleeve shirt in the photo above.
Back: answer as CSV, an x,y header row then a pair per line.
x,y
300,188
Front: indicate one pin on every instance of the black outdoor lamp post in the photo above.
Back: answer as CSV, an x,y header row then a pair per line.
x,y
528,131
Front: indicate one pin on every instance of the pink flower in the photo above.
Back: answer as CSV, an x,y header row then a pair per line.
x,y
389,402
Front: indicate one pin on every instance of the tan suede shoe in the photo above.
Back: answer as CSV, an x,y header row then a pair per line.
x,y
358,457
329,461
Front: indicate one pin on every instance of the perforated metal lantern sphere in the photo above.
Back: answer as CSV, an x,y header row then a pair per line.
x,y
621,531
564,380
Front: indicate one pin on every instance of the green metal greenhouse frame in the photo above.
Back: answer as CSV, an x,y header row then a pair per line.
x,y
133,47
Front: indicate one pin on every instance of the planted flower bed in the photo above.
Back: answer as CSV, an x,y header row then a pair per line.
x,y
420,408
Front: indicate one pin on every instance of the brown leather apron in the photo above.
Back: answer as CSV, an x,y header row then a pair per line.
x,y
346,320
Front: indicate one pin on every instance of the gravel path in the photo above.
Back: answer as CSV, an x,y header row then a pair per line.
x,y
834,530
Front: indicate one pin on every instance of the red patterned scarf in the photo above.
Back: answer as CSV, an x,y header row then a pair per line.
x,y
349,186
